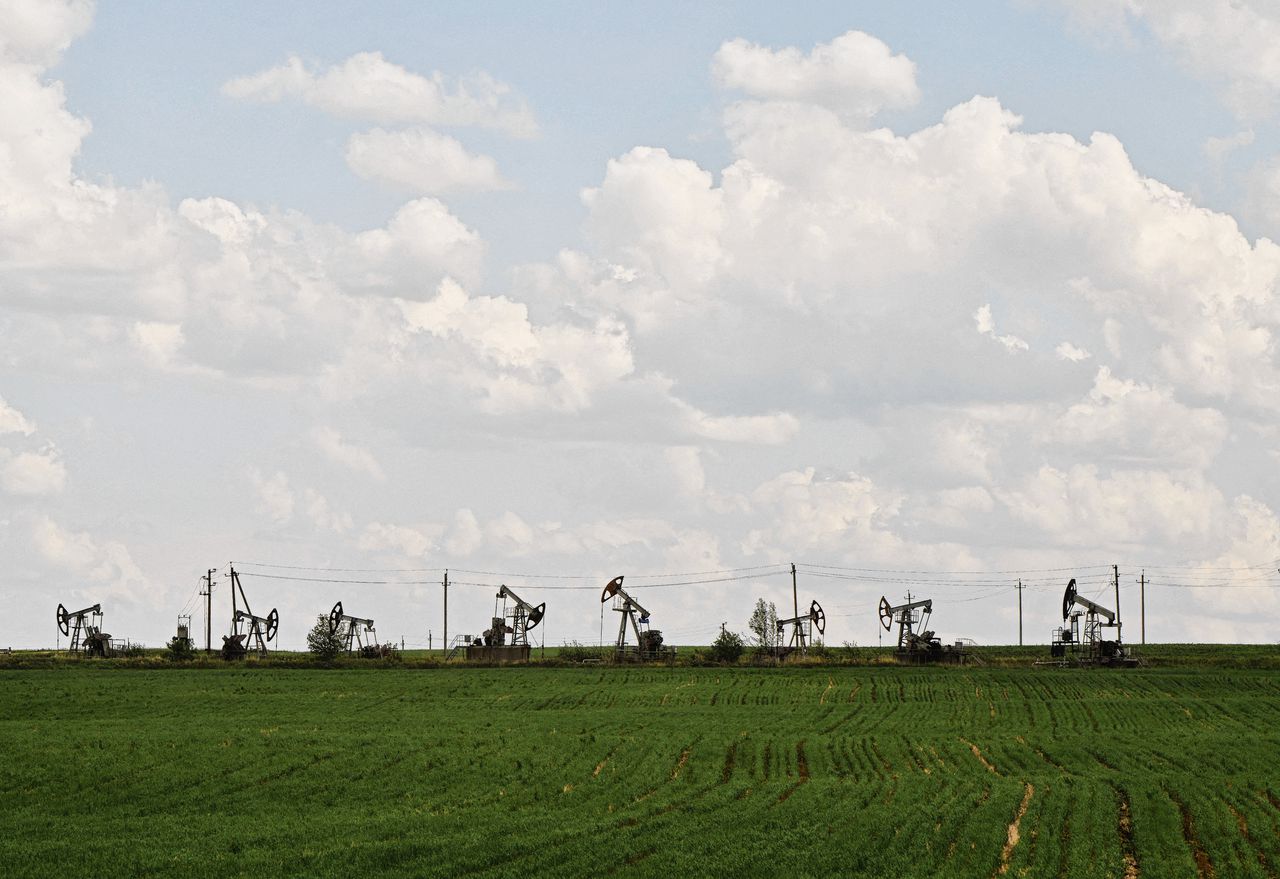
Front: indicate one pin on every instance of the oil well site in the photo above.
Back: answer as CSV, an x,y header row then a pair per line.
x,y
1083,755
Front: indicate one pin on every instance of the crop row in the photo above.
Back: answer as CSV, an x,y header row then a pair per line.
x,y
929,772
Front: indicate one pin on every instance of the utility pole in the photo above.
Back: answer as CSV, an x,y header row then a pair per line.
x,y
795,603
1115,578
1019,587
446,613
1142,599
208,609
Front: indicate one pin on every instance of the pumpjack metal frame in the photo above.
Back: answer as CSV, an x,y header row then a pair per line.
x,y
916,642
84,627
637,615
516,618
357,633
258,631
1087,643
802,630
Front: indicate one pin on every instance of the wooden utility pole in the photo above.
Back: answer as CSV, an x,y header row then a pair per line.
x,y
446,614
1115,578
1019,587
795,603
208,609
1142,599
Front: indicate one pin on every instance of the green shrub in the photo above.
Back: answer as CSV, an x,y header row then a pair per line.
x,y
727,647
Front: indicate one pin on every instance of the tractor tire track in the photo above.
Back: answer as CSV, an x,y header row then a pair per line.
x,y
1204,866
1013,836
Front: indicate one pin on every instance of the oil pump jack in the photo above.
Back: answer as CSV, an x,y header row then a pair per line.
x,y
648,641
916,643
85,630
1089,644
802,630
515,618
356,633
258,631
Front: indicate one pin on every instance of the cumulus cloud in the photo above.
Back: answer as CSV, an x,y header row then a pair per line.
x,y
409,541
855,74
105,563
1088,508
1232,42
13,421
336,449
421,161
512,363
275,497
1067,351
32,473
367,86
987,327
37,32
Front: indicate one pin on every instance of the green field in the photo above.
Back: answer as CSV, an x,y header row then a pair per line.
x,y
842,771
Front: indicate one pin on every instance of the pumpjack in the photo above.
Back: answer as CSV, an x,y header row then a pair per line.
x,y
514,617
648,641
85,630
1089,644
916,642
802,630
257,631
356,633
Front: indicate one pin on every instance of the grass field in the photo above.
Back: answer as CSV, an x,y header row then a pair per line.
x,y
1154,772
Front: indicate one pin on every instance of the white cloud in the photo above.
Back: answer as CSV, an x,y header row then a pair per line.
x,y
38,31
1067,351
855,74
1137,422
658,215
512,363
412,542
1084,507
1232,42
13,421
465,537
773,429
1217,148
338,450
32,473
987,327
275,497
367,86
324,516
105,563
421,161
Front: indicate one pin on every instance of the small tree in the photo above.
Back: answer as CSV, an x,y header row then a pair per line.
x,y
322,643
764,626
180,649
727,647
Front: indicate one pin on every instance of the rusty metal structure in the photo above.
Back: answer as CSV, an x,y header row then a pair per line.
x,y
802,630
84,628
916,642
648,641
1090,633
248,631
356,633
507,638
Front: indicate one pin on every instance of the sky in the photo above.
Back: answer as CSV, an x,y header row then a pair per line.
x,y
917,299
